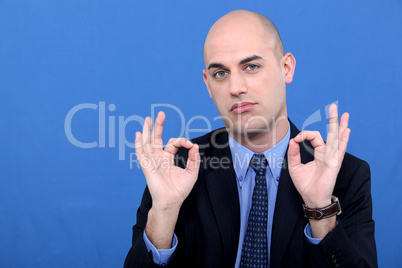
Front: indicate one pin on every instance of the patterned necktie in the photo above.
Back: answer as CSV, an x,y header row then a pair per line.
x,y
255,249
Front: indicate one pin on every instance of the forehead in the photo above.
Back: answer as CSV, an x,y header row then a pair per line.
x,y
236,52
234,42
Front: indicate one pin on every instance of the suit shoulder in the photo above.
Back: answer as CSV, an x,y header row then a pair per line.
x,y
354,174
352,163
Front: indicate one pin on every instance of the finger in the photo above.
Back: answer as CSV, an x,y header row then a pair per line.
x,y
138,143
294,158
334,138
157,131
174,144
193,161
313,136
344,123
144,161
316,141
146,134
333,134
336,154
344,143
344,133
333,118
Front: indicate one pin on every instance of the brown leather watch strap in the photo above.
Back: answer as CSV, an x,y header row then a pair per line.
x,y
325,212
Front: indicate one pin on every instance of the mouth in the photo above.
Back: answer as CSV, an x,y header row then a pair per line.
x,y
241,107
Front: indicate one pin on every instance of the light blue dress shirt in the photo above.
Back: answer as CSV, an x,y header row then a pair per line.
x,y
245,176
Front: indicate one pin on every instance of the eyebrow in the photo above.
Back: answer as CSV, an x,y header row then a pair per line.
x,y
215,65
248,59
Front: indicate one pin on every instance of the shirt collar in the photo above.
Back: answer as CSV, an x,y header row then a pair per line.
x,y
241,157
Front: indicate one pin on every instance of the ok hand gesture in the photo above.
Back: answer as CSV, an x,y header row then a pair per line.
x,y
315,181
168,184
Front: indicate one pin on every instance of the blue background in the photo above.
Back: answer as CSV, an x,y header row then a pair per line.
x,y
64,206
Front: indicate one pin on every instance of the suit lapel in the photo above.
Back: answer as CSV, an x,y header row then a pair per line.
x,y
287,208
222,190
223,194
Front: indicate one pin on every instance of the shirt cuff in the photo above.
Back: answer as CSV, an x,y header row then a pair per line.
x,y
160,256
309,235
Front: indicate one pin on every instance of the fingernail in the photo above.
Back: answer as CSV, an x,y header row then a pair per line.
x,y
189,142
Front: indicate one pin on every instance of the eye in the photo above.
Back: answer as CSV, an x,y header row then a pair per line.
x,y
220,74
252,67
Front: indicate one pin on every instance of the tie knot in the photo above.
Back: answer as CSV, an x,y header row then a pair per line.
x,y
259,163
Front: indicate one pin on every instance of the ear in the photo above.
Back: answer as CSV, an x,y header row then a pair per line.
x,y
289,65
205,76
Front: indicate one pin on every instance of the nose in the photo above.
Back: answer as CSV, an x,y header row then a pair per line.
x,y
237,85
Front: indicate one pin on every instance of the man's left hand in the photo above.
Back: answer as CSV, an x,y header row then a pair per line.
x,y
315,181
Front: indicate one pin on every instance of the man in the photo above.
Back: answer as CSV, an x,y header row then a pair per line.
x,y
211,210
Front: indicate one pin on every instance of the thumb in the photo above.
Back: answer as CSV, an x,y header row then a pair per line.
x,y
294,158
193,161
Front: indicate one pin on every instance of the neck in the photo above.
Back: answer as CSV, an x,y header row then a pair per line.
x,y
265,139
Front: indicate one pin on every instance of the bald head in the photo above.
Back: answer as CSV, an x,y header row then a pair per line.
x,y
239,22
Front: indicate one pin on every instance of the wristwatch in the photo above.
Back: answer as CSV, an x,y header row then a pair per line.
x,y
325,212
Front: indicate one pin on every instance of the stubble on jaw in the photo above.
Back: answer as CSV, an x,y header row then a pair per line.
x,y
257,137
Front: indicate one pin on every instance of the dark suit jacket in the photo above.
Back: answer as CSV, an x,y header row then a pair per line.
x,y
209,220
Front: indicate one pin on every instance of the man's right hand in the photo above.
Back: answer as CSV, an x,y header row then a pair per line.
x,y
168,184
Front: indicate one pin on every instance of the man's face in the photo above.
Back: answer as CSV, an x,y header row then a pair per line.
x,y
246,77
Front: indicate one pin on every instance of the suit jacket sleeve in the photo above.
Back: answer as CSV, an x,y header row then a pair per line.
x,y
351,243
138,255
209,220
